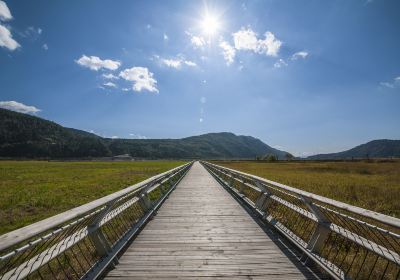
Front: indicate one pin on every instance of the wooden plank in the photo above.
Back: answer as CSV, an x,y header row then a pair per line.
x,y
201,231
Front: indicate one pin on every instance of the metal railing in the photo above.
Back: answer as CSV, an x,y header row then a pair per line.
x,y
83,242
345,241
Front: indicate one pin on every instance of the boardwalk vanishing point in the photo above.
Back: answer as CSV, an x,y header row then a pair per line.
x,y
199,221
202,231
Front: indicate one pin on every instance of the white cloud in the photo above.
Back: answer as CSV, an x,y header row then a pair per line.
x,y
190,63
95,63
298,55
201,120
229,52
197,41
280,63
246,39
19,107
137,136
110,84
174,63
31,32
110,76
114,137
386,84
165,37
45,47
394,84
141,77
6,39
125,89
5,13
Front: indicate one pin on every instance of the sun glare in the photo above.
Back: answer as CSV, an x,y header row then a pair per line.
x,y
210,25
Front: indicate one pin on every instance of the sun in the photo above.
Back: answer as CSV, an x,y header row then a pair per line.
x,y
210,25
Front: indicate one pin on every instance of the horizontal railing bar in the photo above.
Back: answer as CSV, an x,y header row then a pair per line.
x,y
12,238
384,219
152,188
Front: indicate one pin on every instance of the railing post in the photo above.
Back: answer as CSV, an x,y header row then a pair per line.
x,y
321,232
241,186
166,186
145,201
263,200
97,236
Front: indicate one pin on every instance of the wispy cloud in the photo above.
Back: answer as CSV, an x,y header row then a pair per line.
x,y
387,84
228,51
297,55
110,76
110,84
19,107
176,62
31,32
141,77
197,41
246,39
165,36
190,63
137,136
95,63
45,47
280,63
395,83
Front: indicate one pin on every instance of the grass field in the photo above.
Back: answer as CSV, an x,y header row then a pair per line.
x,y
33,190
371,185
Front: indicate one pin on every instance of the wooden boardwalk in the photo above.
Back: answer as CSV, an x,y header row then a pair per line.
x,y
201,231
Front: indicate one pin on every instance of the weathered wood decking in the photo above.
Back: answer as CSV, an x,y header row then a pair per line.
x,y
201,231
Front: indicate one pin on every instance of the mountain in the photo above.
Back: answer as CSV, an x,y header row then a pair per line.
x,y
28,136
24,135
383,148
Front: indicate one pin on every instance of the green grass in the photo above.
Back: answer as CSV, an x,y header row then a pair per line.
x,y
371,185
34,190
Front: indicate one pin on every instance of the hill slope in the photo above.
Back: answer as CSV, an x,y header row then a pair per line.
x,y
383,148
28,136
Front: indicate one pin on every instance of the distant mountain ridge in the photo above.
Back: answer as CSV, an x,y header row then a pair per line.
x,y
28,136
383,148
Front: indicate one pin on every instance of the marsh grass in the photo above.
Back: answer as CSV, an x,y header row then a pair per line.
x,y
371,185
34,190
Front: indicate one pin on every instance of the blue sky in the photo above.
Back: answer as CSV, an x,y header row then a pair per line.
x,y
304,76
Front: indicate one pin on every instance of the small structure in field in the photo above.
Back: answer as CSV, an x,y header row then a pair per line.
x,y
124,157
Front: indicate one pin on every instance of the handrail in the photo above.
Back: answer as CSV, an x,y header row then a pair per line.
x,y
385,219
345,241
16,236
82,242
